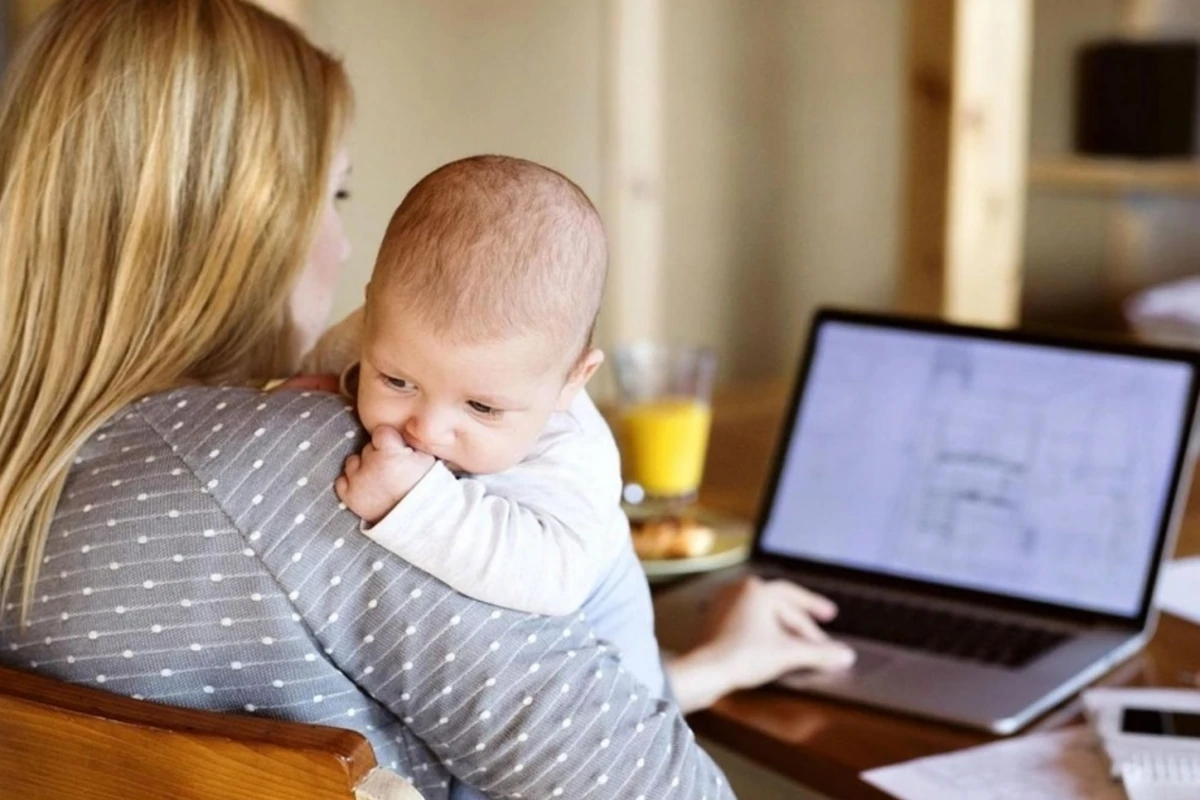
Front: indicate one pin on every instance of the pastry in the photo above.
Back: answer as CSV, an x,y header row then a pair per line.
x,y
671,537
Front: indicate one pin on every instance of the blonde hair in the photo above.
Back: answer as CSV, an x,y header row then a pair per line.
x,y
490,246
163,166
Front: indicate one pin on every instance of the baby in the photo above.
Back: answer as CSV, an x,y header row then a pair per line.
x,y
488,467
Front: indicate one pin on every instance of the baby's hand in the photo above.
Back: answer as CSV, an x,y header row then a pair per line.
x,y
381,476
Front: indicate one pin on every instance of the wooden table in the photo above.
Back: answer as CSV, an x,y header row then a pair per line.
x,y
825,744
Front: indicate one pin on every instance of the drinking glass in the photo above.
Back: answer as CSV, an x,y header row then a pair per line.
x,y
664,395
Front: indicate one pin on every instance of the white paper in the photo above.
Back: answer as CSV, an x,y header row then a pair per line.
x,y
1179,588
1063,765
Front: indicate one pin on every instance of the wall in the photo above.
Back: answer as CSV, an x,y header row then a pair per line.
x,y
439,81
782,168
1067,234
781,146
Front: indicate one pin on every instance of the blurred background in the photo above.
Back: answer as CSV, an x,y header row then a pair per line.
x,y
754,159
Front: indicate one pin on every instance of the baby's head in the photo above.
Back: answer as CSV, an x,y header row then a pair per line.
x,y
480,311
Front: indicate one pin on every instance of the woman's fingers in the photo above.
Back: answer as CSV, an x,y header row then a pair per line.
x,y
812,648
797,620
827,655
319,383
820,607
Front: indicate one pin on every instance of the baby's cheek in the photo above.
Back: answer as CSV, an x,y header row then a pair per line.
x,y
373,411
501,451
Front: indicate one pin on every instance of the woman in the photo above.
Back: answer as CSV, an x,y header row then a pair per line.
x,y
168,175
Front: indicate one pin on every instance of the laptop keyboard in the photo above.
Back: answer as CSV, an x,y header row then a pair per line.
x,y
943,632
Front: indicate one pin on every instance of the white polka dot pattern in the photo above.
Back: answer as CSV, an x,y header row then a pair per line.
x,y
178,572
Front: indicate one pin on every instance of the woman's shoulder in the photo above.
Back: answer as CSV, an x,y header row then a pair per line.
x,y
216,415
268,459
243,437
230,401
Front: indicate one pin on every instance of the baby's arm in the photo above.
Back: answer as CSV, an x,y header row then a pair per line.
x,y
534,538
493,548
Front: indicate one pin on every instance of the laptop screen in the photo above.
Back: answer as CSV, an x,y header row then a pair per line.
x,y
1027,470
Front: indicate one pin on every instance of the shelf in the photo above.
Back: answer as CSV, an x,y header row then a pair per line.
x,y
1117,176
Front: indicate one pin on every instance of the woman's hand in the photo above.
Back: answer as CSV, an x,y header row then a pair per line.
x,y
307,383
756,632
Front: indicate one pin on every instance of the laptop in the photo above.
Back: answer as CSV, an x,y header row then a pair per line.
x,y
988,509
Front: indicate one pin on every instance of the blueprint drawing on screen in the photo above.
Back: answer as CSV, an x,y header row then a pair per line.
x,y
1028,470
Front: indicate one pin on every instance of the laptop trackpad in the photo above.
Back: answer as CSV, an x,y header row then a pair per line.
x,y
867,664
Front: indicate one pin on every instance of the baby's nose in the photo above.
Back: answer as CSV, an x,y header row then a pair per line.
x,y
426,434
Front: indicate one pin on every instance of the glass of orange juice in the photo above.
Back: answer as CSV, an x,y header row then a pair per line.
x,y
664,397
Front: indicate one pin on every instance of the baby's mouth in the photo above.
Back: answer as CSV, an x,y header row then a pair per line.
x,y
450,465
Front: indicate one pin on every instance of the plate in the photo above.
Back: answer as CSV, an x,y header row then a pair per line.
x,y
732,546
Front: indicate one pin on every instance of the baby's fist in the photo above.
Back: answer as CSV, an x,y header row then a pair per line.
x,y
374,481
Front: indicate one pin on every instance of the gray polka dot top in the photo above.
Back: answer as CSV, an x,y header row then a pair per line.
x,y
199,558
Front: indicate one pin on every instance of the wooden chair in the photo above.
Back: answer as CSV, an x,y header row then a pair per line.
x,y
60,741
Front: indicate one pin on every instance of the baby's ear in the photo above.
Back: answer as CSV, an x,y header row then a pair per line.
x,y
580,374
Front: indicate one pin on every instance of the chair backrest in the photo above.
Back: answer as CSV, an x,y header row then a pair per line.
x,y
59,740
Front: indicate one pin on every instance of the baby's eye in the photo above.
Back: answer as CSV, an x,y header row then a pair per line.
x,y
396,383
342,194
487,411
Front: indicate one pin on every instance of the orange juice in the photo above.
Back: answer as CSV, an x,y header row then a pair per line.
x,y
663,442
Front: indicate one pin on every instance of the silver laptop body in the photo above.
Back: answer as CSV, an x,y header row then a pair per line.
x,y
992,506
